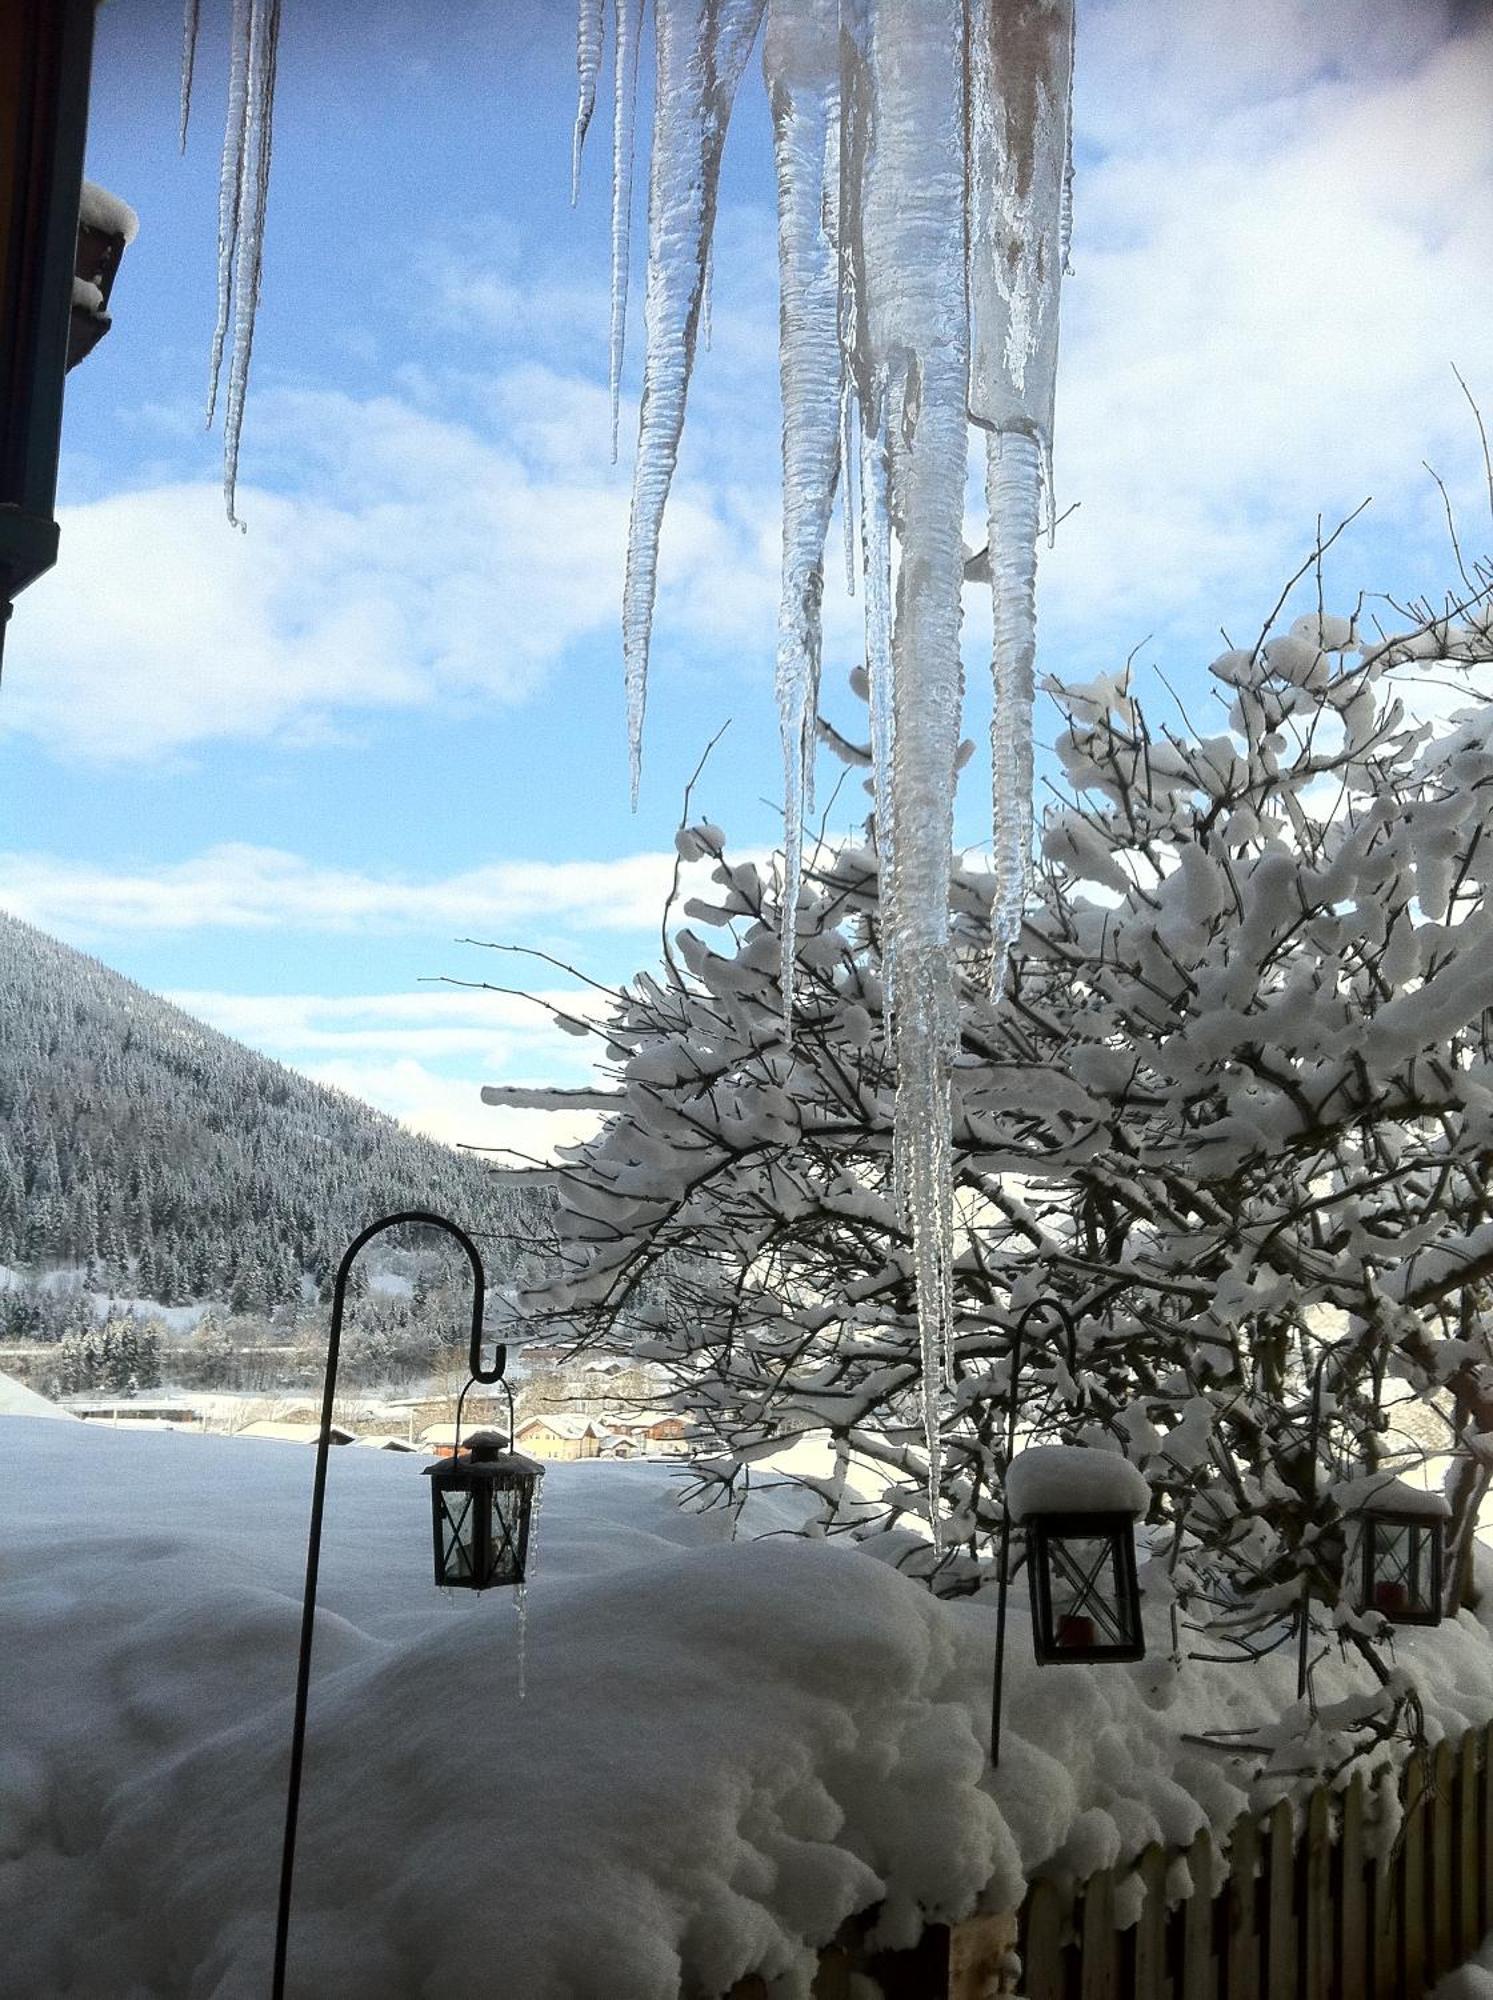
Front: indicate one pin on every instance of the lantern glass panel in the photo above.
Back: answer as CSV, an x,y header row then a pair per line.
x,y
1085,1593
1402,1568
458,1521
1085,1589
508,1508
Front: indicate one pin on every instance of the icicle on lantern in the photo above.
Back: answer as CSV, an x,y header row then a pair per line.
x,y
1401,1534
481,1506
1080,1508
922,152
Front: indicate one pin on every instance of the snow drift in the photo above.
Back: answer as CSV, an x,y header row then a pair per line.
x,y
725,1749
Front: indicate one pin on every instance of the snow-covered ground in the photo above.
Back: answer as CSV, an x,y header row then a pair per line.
x,y
724,1748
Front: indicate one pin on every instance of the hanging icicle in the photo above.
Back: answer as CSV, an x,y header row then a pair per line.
x,y
243,192
923,161
588,47
702,48
801,64
189,25
1020,94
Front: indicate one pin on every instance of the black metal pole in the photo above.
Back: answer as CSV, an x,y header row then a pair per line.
x,y
1018,1337
318,1503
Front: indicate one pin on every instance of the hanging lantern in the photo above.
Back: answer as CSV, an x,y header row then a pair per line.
x,y
481,1504
1079,1508
1401,1533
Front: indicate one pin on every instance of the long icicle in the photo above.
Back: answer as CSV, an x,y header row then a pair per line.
x,y
230,186
264,45
628,36
800,63
589,41
189,25
1020,168
915,332
701,53
1013,491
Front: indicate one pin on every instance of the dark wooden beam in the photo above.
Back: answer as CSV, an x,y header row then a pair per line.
x,y
46,50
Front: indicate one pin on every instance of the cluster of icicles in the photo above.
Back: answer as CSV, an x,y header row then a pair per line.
x,y
923,172
923,163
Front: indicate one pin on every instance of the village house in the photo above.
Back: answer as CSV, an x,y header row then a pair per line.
x,y
554,1436
294,1433
646,1434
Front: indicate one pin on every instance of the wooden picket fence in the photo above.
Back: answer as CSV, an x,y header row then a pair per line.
x,y
1304,1910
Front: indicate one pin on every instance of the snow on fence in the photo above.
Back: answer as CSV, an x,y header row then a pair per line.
x,y
1304,1910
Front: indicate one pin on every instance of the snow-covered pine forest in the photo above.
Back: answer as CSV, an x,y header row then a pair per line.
x,y
146,1158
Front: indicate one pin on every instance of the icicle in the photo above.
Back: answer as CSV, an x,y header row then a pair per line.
x,y
799,60
188,64
1065,219
1021,64
848,515
521,1600
1020,172
624,111
1013,483
702,48
876,556
230,186
589,37
264,38
706,295
912,379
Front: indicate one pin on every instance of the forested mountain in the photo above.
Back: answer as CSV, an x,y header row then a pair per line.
x,y
158,1159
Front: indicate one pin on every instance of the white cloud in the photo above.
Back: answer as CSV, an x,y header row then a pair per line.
x,y
423,1057
451,1108
244,887
1282,221
405,561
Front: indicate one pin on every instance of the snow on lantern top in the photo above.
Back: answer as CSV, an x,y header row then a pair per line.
x,y
1382,1493
1074,1479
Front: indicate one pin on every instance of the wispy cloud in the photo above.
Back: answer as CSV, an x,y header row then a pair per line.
x,y
406,560
423,1057
1280,250
257,888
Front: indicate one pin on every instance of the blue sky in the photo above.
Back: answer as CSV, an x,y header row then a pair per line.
x,y
279,775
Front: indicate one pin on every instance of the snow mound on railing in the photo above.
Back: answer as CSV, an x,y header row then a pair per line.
x,y
725,1749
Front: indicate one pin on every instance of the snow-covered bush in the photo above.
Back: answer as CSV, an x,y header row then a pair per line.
x,y
1233,1111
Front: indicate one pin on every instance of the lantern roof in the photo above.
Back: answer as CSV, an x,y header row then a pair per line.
x,y
1074,1479
487,1449
1383,1493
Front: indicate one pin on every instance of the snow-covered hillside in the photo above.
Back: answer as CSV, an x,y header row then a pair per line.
x,y
158,1159
724,1748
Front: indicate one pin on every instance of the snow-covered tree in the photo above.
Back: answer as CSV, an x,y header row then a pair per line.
x,y
1232,1111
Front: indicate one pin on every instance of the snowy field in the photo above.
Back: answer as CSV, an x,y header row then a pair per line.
x,y
724,1749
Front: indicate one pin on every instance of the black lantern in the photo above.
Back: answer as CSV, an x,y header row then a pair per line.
x,y
1079,1508
1085,1593
482,1500
1400,1544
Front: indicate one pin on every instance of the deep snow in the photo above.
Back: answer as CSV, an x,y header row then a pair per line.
x,y
724,1750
